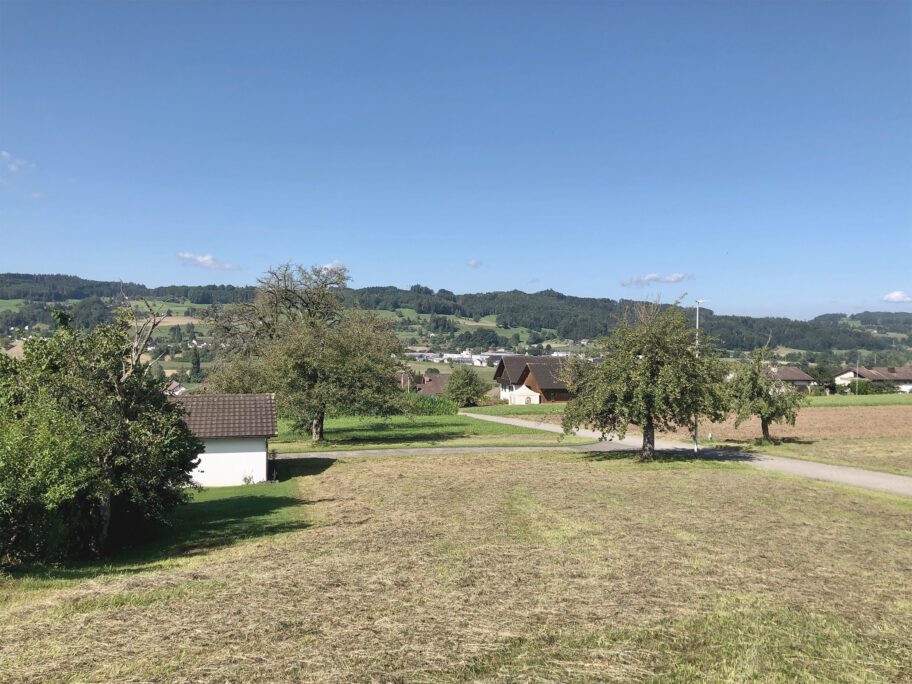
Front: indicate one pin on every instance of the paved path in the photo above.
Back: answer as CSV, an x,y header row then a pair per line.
x,y
858,477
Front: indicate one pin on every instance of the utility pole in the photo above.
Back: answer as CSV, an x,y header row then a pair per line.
x,y
697,417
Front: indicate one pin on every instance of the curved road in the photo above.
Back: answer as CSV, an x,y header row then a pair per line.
x,y
857,477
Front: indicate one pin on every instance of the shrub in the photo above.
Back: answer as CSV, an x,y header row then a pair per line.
x,y
92,452
465,387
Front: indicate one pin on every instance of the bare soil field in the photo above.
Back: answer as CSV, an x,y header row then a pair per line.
x,y
856,422
874,437
501,568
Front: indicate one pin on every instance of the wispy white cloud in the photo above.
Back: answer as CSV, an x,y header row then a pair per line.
x,y
473,263
644,280
333,265
205,261
13,164
898,297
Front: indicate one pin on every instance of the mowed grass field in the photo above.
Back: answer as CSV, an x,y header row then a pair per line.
x,y
489,567
410,432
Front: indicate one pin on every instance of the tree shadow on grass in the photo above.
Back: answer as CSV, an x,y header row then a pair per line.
x,y
211,521
722,454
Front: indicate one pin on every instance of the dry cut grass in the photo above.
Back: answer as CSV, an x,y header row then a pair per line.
x,y
504,568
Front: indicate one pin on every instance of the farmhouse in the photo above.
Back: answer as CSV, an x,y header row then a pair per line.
x,y
235,429
883,375
507,373
517,375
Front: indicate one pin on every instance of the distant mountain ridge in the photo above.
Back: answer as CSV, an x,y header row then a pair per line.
x,y
566,315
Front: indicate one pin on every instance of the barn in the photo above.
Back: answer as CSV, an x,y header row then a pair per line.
x,y
235,429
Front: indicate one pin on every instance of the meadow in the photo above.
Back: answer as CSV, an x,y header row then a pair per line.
x,y
490,567
346,433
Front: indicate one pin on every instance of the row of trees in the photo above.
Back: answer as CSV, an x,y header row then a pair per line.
x,y
659,375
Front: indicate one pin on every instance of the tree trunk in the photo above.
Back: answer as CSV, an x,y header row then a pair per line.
x,y
765,426
648,442
104,524
316,429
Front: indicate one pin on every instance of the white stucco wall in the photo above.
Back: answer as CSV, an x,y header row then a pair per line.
x,y
227,462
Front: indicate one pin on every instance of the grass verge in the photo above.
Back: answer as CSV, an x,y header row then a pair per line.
x,y
417,431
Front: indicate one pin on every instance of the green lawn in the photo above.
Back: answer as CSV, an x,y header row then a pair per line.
x,y
518,410
418,431
484,372
862,400
493,567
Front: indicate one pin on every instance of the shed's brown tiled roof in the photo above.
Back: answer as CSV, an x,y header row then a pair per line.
x,y
230,415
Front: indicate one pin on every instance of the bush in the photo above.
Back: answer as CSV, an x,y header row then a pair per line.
x,y
428,405
92,452
866,387
465,387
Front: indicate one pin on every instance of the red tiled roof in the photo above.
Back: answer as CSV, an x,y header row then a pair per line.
x,y
230,415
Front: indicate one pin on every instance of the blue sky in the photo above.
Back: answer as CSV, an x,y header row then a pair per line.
x,y
756,154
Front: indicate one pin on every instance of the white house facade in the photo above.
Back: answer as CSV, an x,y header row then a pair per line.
x,y
232,461
235,431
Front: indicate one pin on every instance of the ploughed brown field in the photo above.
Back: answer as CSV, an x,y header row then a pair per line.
x,y
872,437
858,422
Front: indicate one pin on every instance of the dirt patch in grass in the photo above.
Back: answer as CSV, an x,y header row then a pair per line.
x,y
503,568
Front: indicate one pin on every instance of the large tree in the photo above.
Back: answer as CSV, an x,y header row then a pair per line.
x,y
756,390
298,340
91,449
654,375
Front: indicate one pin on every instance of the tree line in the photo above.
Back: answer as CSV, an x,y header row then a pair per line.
x,y
571,317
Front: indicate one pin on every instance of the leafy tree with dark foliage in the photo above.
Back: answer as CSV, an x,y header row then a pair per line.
x,y
465,387
756,391
297,339
92,453
653,375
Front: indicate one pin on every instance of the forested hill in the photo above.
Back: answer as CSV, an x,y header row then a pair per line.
x,y
568,316
59,288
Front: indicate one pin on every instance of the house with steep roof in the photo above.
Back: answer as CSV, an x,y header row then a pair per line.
x,y
235,430
541,374
507,373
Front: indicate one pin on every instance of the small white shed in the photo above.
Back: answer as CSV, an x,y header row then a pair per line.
x,y
524,395
235,429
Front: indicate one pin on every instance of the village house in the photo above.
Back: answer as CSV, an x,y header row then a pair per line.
x,y
797,378
434,384
520,377
235,430
898,376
